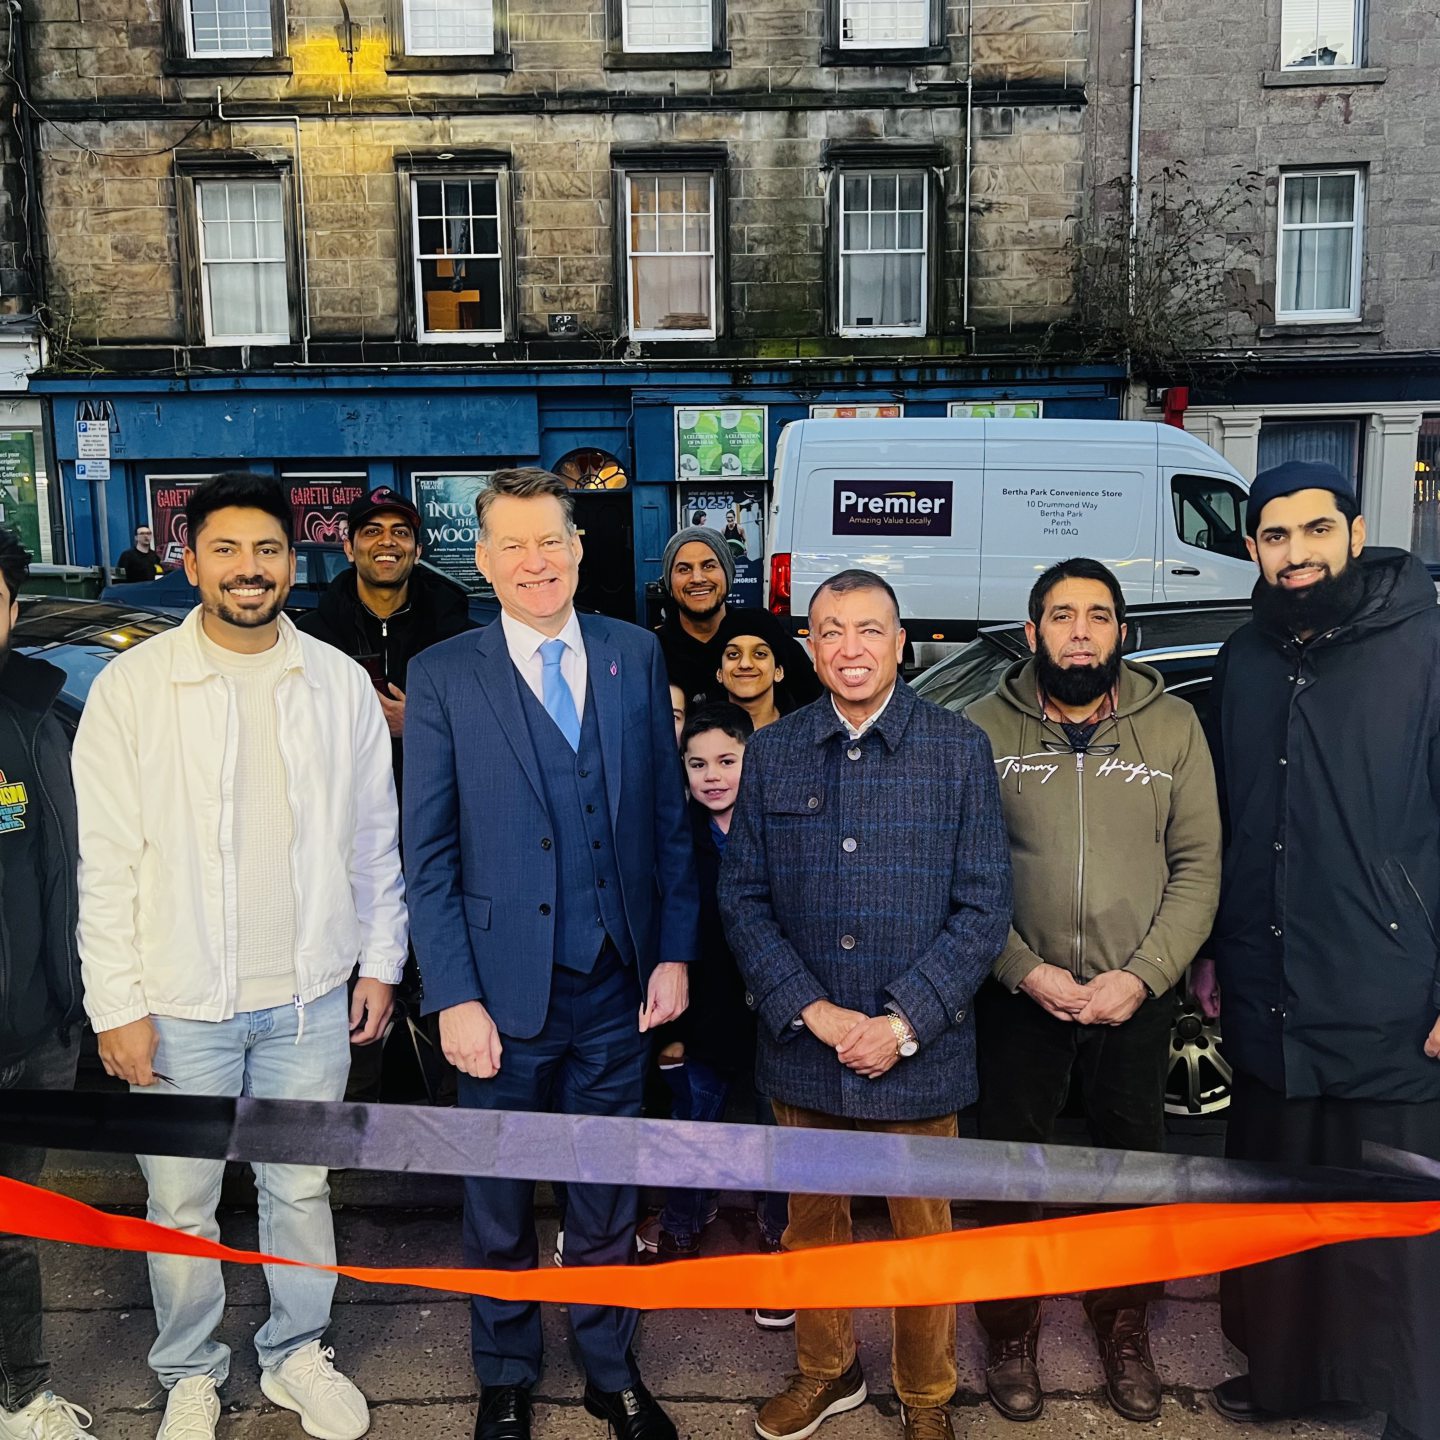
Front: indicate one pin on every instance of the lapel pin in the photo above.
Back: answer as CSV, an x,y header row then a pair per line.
x,y
614,668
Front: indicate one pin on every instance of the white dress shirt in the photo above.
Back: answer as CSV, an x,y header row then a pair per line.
x,y
868,721
524,642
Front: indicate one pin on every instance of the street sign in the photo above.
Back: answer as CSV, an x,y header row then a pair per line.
x,y
92,469
92,439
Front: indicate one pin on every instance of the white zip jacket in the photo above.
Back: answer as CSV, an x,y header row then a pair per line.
x,y
154,765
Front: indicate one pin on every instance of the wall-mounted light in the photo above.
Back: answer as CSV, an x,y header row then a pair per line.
x,y
348,33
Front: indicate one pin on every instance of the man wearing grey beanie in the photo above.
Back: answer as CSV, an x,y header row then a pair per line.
x,y
698,570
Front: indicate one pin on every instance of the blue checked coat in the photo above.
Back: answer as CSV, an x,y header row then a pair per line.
x,y
869,873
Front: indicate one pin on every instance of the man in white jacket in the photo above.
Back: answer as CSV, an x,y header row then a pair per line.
x,y
238,857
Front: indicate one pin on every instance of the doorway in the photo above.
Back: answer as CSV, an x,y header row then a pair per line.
x,y
607,573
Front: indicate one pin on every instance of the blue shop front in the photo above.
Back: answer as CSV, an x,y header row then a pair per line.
x,y
646,449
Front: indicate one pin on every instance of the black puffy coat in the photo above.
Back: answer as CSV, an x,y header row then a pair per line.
x,y
1328,760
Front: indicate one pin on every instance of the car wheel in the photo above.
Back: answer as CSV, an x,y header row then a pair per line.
x,y
1198,1079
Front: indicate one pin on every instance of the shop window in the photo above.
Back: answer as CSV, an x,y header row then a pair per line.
x,y
461,255
1323,34
1320,245
671,254
1336,442
1425,519
883,252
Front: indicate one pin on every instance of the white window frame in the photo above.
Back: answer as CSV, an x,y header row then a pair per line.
x,y
713,330
841,253
630,47
1357,36
842,6
195,53
211,336
411,48
1357,246
460,337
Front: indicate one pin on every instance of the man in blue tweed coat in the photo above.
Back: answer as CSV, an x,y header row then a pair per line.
x,y
866,894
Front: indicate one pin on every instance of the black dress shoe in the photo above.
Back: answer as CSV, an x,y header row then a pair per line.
x,y
1234,1399
504,1413
632,1413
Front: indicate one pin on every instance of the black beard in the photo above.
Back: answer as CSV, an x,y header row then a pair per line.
x,y
1075,684
248,619
1315,608
707,614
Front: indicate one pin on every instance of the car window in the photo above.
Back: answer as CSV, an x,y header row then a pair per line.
x,y
966,676
1210,514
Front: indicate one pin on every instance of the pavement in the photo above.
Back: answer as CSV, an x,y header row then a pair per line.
x,y
408,1349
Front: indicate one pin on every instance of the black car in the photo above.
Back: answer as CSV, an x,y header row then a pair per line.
x,y
315,567
1181,643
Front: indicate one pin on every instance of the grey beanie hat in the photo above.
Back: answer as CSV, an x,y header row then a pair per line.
x,y
706,536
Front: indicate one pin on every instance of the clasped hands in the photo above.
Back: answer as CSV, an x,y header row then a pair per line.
x,y
865,1043
1111,998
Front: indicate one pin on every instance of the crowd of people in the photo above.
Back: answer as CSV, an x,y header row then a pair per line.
x,y
804,893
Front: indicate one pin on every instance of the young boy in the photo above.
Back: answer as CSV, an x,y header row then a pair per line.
x,y
716,1044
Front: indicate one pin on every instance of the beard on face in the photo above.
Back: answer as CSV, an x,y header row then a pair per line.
x,y
1312,609
247,619
698,613
1075,684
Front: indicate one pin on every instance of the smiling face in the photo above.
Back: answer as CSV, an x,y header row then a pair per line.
x,y
1303,539
748,668
243,567
857,641
697,579
384,550
712,766
531,556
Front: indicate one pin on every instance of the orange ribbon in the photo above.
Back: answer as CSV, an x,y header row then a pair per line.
x,y
1043,1257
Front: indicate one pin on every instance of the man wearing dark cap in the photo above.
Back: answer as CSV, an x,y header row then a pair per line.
x,y
384,610
699,569
1325,720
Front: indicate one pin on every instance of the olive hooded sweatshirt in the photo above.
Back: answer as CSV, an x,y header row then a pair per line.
x,y
1116,851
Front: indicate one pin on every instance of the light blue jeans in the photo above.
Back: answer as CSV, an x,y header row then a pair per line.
x,y
254,1053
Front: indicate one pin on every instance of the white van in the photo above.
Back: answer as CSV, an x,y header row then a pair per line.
x,y
961,516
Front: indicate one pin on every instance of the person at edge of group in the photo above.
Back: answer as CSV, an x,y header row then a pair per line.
x,y
40,976
698,569
382,612
139,562
217,936
561,840
862,938
750,672
1107,917
716,1044
1325,724
678,709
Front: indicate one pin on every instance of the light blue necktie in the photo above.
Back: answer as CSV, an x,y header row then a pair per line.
x,y
559,702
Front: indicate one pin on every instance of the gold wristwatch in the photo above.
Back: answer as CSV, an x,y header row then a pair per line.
x,y
905,1041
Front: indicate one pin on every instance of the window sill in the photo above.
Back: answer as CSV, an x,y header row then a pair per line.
x,y
225,65
1298,329
681,60
501,64
835,55
1329,75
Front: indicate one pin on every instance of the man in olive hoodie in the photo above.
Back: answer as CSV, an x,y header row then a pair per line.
x,y
1109,798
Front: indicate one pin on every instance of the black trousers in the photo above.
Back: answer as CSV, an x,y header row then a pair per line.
x,y
1026,1058
24,1371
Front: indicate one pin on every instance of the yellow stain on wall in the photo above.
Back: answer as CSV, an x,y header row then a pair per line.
x,y
322,60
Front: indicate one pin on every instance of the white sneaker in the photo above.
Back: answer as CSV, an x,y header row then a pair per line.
x,y
192,1410
329,1405
46,1417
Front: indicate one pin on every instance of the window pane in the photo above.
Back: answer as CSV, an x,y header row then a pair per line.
x,y
450,27
670,194
883,291
667,25
247,300
912,192
671,293
427,198
865,24
1336,197
672,235
461,295
1317,33
1425,525
670,214
1317,244
230,27
882,192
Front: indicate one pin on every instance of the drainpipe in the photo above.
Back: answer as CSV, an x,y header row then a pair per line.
x,y
300,205
965,325
1136,85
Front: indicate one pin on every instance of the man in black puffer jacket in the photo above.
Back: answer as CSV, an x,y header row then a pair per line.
x,y
40,1011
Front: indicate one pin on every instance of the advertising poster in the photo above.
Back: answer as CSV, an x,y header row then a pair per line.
x,y
722,442
893,411
737,514
447,524
995,409
168,494
320,503
19,500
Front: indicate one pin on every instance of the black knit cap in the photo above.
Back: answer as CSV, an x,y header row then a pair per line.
x,y
1292,476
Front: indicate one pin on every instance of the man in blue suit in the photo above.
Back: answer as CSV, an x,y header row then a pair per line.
x,y
553,908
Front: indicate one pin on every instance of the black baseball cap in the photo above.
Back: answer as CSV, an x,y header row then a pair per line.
x,y
376,501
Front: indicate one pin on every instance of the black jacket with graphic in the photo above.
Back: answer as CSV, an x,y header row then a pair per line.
x,y
28,689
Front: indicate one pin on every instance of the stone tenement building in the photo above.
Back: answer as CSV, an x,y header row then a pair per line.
x,y
405,242
1331,340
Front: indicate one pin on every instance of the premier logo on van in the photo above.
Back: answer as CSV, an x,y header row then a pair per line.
x,y
887,507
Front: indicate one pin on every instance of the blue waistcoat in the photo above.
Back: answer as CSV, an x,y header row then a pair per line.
x,y
588,901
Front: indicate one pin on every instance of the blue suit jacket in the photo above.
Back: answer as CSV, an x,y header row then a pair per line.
x,y
478,860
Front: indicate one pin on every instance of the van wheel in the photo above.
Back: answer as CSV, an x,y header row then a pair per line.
x,y
1198,1079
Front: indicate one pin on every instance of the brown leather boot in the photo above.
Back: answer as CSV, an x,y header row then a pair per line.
x,y
1011,1378
1131,1384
